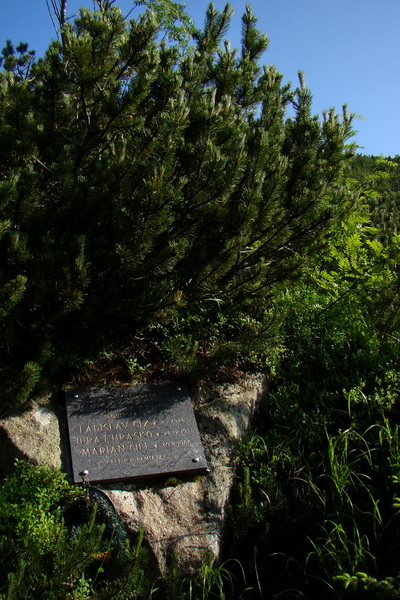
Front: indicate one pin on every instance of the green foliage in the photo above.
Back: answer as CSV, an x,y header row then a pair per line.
x,y
318,505
173,19
210,581
158,205
317,488
29,493
371,587
56,545
17,60
146,183
379,176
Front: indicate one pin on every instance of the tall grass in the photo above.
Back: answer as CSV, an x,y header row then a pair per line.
x,y
322,508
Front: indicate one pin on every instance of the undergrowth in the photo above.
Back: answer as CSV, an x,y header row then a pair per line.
x,y
57,543
317,495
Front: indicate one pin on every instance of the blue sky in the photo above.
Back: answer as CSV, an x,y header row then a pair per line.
x,y
349,51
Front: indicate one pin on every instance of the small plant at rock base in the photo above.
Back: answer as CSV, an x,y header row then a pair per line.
x,y
211,581
56,546
136,370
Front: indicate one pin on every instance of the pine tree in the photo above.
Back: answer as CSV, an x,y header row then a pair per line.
x,y
140,178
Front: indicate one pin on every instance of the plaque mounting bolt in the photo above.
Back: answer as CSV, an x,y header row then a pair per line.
x,y
196,459
84,474
85,483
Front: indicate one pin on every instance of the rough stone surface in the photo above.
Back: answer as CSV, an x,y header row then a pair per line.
x,y
185,520
33,435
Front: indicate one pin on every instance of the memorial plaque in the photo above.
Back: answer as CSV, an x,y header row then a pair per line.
x,y
133,431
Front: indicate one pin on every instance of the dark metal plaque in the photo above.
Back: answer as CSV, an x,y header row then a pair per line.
x,y
124,432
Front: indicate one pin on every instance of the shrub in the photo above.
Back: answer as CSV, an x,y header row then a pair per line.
x,y
56,543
